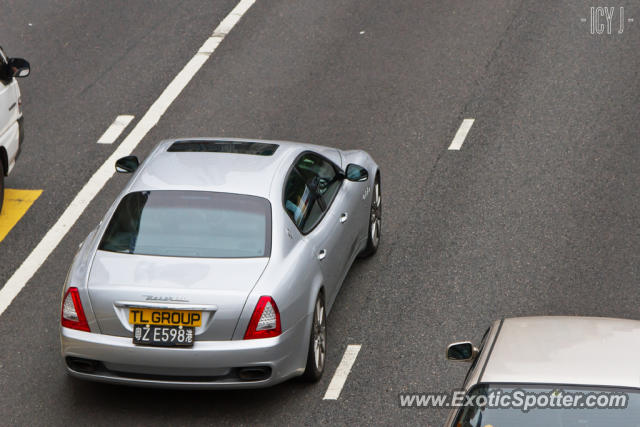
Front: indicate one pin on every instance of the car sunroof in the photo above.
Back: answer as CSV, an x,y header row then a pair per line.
x,y
235,147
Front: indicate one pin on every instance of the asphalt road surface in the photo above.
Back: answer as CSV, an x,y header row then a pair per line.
x,y
535,214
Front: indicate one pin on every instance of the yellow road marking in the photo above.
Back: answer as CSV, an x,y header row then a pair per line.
x,y
16,204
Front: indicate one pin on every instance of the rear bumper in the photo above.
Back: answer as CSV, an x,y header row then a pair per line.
x,y
206,365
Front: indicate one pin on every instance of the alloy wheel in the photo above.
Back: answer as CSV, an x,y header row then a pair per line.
x,y
319,335
376,216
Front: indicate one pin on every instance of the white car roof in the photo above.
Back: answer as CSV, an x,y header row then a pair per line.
x,y
565,350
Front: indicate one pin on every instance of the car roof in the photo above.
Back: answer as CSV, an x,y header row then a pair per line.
x,y
565,350
214,171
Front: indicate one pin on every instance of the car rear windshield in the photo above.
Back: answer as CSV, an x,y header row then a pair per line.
x,y
190,224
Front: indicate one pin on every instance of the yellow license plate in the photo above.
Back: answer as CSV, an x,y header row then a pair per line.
x,y
152,316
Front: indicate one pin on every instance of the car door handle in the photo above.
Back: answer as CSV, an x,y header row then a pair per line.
x,y
322,254
343,217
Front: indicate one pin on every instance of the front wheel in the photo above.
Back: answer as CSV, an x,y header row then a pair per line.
x,y
375,221
317,343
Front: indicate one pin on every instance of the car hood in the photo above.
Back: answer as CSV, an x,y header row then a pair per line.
x,y
219,287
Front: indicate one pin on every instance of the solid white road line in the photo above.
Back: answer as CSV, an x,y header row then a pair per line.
x,y
113,132
50,241
456,144
342,372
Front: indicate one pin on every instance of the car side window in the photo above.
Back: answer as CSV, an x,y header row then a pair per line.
x,y
321,176
315,215
4,67
297,198
309,190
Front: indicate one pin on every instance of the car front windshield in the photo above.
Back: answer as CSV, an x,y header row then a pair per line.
x,y
551,406
190,224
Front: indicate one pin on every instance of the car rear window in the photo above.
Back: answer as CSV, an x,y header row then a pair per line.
x,y
190,224
233,147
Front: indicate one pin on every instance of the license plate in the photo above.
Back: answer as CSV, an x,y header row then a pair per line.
x,y
165,336
152,316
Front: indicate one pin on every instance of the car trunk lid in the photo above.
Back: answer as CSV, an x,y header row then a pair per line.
x,y
216,287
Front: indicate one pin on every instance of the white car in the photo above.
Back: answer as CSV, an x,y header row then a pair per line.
x,y
11,130
553,371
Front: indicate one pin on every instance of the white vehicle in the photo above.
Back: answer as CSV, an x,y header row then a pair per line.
x,y
551,371
11,131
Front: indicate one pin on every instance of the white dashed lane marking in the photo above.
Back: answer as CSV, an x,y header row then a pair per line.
x,y
463,130
113,132
342,372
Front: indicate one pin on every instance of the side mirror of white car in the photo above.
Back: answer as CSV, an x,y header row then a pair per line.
x,y
463,351
19,67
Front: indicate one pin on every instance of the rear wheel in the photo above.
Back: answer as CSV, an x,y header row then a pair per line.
x,y
317,343
375,221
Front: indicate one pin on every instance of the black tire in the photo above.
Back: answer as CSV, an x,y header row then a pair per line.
x,y
317,353
1,185
375,221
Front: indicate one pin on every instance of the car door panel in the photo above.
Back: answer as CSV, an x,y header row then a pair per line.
x,y
343,215
8,106
326,242
322,206
357,202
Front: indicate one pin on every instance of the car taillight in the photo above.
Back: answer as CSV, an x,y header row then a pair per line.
x,y
72,313
265,321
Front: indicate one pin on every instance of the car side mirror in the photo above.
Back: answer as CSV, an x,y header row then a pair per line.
x,y
356,173
463,351
19,67
127,164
